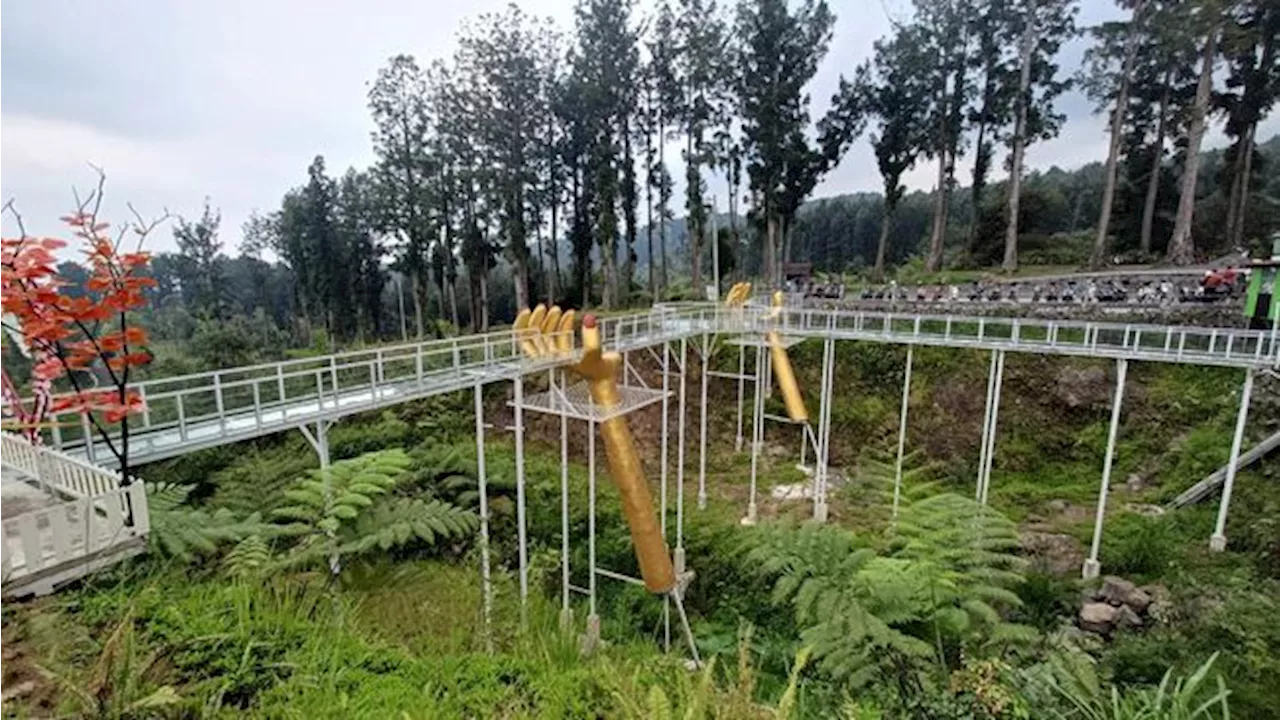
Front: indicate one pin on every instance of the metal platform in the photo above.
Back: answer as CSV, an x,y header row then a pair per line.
x,y
575,402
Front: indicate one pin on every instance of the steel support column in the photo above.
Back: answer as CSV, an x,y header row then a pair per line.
x,y
742,382
592,639
662,487
1091,566
995,421
702,419
986,428
822,472
678,557
1218,541
566,613
902,430
757,417
521,533
482,481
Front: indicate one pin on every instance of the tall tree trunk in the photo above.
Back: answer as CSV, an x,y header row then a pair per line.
x,y
882,248
1242,168
1181,248
934,260
1157,162
770,255
1100,245
1237,240
484,301
664,198
520,268
693,190
648,231
975,192
542,283
415,282
1019,145
453,303
733,217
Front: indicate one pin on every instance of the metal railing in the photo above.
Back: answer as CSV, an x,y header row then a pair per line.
x,y
1235,347
211,408
91,513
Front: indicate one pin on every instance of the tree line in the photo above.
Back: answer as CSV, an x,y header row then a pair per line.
x,y
537,164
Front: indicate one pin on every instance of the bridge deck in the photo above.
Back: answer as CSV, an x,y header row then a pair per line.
x,y
207,409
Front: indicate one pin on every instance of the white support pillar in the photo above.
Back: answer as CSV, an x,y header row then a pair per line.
x,y
902,430
566,614
1091,566
742,382
702,433
820,505
1218,541
662,487
986,428
995,421
756,418
592,639
521,532
678,557
482,480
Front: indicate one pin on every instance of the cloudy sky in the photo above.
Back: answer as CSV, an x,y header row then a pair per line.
x,y
232,99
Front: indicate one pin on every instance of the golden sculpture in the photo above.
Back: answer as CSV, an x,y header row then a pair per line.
x,y
542,334
782,371
785,375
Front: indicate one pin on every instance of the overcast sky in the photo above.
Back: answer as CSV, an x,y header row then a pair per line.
x,y
232,99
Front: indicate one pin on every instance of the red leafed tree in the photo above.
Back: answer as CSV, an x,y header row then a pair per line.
x,y
71,329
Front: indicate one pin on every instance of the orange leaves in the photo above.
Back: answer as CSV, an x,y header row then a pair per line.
x,y
79,327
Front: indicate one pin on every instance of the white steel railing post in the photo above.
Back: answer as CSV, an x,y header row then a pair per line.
x,y
280,384
257,405
333,377
217,400
89,444
146,408
182,418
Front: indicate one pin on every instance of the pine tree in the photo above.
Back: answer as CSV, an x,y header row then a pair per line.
x,y
1107,78
1041,27
399,103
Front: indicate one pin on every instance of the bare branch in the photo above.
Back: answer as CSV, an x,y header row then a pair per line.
x,y
12,208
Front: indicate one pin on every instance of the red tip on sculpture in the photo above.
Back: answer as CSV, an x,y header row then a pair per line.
x,y
589,321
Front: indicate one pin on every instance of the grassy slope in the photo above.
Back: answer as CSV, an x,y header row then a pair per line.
x,y
405,638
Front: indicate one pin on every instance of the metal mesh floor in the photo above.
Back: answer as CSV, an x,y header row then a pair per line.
x,y
576,402
753,340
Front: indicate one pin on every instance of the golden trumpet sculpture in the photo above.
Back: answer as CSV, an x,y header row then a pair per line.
x,y
782,371
544,333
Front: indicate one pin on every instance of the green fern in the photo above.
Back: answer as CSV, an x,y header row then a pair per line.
x,y
249,558
401,521
184,532
351,509
942,585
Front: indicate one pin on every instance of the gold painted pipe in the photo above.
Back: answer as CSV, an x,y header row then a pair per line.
x,y
601,372
783,372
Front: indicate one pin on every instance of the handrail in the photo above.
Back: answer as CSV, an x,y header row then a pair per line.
x,y
249,401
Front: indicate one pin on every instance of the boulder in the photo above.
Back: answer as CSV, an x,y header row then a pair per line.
x,y
1098,617
1118,591
1114,590
1057,553
1127,618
